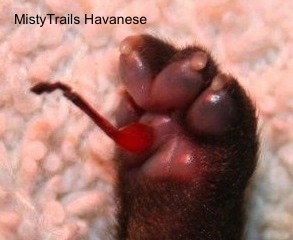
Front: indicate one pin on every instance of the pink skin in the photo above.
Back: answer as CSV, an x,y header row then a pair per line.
x,y
188,143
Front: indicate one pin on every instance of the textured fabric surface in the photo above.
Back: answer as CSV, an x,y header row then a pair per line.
x,y
56,173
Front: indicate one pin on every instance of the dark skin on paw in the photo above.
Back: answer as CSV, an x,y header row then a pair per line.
x,y
188,143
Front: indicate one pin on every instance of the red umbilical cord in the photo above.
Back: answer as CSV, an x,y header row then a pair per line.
x,y
135,137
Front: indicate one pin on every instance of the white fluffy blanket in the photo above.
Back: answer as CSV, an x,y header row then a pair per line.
x,y
56,172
